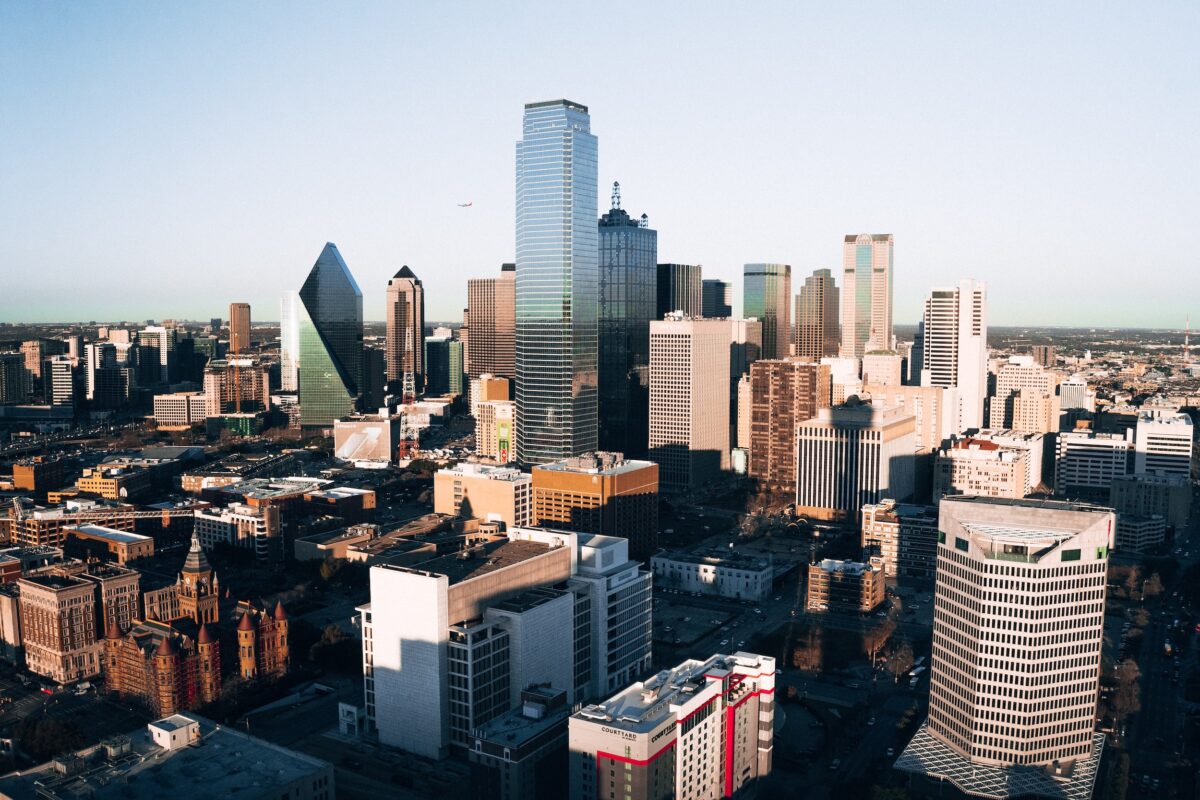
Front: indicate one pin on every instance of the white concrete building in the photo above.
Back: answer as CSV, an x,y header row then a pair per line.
x,y
1086,462
1017,635
1163,442
934,409
1024,397
975,467
239,525
952,347
1074,393
715,573
704,729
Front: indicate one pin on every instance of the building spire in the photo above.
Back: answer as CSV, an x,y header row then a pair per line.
x,y
616,196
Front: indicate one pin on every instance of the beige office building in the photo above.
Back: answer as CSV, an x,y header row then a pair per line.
x,y
491,305
933,408
817,331
1024,397
479,491
239,327
976,467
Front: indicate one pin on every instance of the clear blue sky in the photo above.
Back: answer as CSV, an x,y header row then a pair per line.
x,y
163,159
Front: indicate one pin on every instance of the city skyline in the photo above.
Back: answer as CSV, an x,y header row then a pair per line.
x,y
185,186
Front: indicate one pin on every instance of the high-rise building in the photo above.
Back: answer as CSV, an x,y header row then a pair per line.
x,y
443,365
767,296
60,381
1086,463
289,341
627,290
479,491
851,455
1004,720
603,493
689,421
716,298
374,380
783,393
866,293
491,308
156,354
1074,393
883,368
818,333
495,436
1157,495
703,729
405,312
903,536
34,353
239,327
981,468
951,347
1044,355
679,290
1163,443
1023,397
237,386
14,379
58,623
556,282
330,323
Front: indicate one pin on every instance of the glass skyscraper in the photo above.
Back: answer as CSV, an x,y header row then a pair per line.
x,y
628,254
556,305
866,293
330,316
767,295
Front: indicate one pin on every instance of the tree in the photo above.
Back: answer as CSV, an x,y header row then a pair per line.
x,y
1153,586
43,738
1141,618
875,639
1127,699
900,662
1132,580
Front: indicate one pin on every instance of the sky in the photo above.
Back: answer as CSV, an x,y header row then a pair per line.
x,y
161,160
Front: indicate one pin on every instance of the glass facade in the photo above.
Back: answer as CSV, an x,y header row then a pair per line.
x,y
628,254
330,316
716,298
767,295
556,293
679,290
866,294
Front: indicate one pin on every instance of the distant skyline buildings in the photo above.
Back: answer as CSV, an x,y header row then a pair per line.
x,y
817,328
405,337
330,326
491,303
556,243
951,347
866,293
767,296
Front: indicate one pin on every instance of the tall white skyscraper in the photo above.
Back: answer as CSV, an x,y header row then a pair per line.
x,y
689,401
952,346
1017,634
289,342
866,293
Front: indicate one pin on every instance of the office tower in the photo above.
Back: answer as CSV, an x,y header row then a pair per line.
x,y
716,298
838,585
239,327
75,348
818,333
1005,720
405,310
1162,443
903,536
495,436
746,346
443,365
851,455
1086,462
1044,355
883,368
783,393
60,381
491,307
34,352
479,491
330,323
556,283
14,379
463,334
58,623
179,411
866,293
744,409
679,290
157,358
109,380
1074,393
289,342
236,386
1160,495
952,347
627,288
1023,397
703,729
487,387
374,385
689,421
602,493
975,467
767,297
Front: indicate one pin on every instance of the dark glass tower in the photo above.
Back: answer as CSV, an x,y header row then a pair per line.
x,y
716,298
628,254
679,289
556,301
331,348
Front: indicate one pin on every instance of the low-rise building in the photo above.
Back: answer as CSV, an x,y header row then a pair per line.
x,y
163,668
179,411
108,544
496,430
1138,534
704,729
239,467
479,491
523,753
115,483
241,526
367,439
38,474
903,536
715,573
844,586
1149,495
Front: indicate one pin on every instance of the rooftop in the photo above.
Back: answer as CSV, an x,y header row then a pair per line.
x,y
268,488
719,558
598,463
121,537
481,560
845,567
492,473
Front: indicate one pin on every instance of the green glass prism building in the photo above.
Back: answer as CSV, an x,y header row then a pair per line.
x,y
767,296
330,325
556,292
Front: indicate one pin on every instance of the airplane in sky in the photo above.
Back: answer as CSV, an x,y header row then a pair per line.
x,y
466,205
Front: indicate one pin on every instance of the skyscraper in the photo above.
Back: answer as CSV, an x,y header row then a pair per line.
x,y
951,347
627,288
817,331
866,293
239,327
491,308
767,295
1017,634
330,322
156,354
405,331
289,341
556,282
716,298
783,393
678,290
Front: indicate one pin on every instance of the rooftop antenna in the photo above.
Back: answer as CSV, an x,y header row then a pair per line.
x,y
616,195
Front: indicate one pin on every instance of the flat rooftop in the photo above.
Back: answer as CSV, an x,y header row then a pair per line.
x,y
222,763
845,567
719,558
596,464
481,559
269,488
121,537
491,473
529,600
